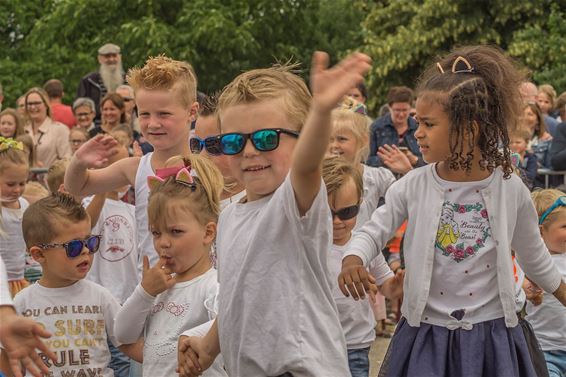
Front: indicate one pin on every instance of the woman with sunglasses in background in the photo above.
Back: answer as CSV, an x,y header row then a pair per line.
x,y
50,138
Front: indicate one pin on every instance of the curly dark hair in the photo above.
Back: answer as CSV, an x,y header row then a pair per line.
x,y
482,103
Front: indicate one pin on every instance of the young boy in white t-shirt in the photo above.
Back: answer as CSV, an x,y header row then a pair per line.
x,y
79,313
276,312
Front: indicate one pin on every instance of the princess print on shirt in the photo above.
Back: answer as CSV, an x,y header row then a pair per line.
x,y
464,235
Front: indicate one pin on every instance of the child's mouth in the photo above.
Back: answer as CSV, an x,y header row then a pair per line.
x,y
83,266
256,168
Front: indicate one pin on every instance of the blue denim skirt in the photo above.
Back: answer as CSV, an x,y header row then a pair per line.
x,y
489,349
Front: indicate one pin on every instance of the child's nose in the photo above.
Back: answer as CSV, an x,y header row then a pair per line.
x,y
249,148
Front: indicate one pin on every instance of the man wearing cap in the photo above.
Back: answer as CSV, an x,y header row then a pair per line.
x,y
109,76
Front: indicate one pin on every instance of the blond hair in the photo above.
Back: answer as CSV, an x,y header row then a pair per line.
x,y
521,132
56,174
344,120
203,201
269,84
336,172
34,190
17,119
543,200
12,155
163,73
550,93
42,220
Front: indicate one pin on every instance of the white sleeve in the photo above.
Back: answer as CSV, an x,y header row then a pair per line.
x,y
380,269
200,330
371,238
5,296
130,321
530,250
111,308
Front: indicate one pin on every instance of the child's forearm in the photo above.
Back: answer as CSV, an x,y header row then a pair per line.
x,y
95,207
76,177
560,293
134,350
313,143
212,340
130,321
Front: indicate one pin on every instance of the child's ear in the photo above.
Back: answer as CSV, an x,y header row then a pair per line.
x,y
37,253
541,229
62,189
193,111
209,233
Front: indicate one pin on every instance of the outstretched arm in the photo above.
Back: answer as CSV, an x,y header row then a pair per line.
x,y
328,85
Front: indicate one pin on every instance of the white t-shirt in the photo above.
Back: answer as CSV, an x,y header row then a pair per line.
x,y
233,199
276,310
144,237
356,317
549,318
5,296
162,319
116,264
376,183
465,253
12,244
79,316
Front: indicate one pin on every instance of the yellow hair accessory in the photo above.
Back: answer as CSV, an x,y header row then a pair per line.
x,y
9,143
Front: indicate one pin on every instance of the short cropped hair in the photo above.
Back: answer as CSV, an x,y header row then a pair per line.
x,y
54,88
278,82
42,220
84,101
400,94
165,73
56,174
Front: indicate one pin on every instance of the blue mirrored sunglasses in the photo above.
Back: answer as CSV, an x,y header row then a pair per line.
x,y
74,248
263,140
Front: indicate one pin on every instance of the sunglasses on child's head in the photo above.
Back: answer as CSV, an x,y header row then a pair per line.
x,y
263,140
211,144
74,248
346,213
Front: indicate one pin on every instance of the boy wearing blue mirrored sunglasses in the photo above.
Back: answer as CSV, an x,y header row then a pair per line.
x,y
276,312
78,313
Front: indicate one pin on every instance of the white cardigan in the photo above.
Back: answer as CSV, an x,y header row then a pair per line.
x,y
418,197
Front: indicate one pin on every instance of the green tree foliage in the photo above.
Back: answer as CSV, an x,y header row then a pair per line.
x,y
404,36
59,38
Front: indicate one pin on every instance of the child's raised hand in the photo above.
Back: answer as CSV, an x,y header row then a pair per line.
x,y
158,278
192,357
96,152
355,279
330,85
21,338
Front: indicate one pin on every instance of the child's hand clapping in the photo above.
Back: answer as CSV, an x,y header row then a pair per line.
x,y
156,279
96,152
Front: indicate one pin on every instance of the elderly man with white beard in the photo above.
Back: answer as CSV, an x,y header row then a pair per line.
x,y
109,76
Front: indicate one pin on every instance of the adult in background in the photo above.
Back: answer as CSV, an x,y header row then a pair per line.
x,y
60,112
51,138
127,93
529,93
396,128
359,93
558,147
113,114
85,111
109,76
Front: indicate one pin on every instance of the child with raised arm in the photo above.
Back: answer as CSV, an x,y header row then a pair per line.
x,y
179,292
466,211
165,92
79,313
276,312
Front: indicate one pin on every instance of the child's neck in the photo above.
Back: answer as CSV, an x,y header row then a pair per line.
x,y
159,157
475,174
231,192
12,205
199,268
52,282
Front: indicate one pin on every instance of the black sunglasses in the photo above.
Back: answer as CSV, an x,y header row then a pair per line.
x,y
211,144
74,248
346,213
263,140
